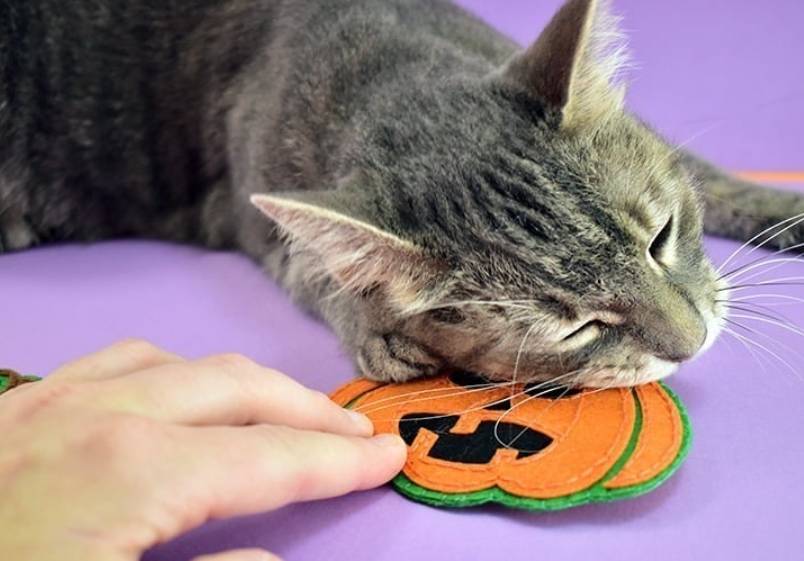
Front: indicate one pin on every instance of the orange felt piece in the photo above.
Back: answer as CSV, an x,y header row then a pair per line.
x,y
659,441
347,393
589,432
773,176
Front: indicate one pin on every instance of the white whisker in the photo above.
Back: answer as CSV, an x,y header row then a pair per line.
x,y
765,349
763,258
791,328
796,221
399,399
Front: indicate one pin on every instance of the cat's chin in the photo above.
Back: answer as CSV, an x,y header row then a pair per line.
x,y
651,369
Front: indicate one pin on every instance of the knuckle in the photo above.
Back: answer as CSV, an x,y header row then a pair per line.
x,y
137,347
233,362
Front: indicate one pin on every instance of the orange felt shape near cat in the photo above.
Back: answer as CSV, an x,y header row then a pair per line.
x,y
587,435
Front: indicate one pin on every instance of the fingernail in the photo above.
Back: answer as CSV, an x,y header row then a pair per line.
x,y
361,421
389,441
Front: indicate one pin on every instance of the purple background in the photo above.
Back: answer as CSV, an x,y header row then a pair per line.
x,y
728,70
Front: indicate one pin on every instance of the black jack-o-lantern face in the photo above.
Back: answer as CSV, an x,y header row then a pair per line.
x,y
480,446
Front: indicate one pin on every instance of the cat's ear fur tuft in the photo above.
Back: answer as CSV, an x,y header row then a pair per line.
x,y
358,255
574,64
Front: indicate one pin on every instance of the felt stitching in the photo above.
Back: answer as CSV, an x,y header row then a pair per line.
x,y
671,413
605,459
668,453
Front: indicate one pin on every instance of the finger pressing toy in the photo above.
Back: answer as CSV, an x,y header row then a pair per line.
x,y
525,446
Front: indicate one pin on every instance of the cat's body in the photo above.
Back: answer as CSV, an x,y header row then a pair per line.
x,y
161,119
130,118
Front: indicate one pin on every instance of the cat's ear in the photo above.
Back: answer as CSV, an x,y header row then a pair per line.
x,y
574,64
357,254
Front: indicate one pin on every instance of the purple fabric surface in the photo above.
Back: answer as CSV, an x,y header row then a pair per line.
x,y
729,67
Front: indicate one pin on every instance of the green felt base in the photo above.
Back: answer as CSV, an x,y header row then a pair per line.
x,y
595,494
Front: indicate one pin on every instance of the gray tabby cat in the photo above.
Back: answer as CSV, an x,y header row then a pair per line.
x,y
440,197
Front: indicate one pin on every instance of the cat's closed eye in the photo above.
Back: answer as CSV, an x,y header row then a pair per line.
x,y
447,314
586,333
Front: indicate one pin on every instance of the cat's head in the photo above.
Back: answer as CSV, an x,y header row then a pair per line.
x,y
520,225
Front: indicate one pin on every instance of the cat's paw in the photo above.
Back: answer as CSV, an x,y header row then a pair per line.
x,y
16,234
394,358
789,234
776,220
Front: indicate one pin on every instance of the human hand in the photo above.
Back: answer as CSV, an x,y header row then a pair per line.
x,y
132,446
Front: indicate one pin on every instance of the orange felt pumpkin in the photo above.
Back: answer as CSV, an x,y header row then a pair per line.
x,y
466,439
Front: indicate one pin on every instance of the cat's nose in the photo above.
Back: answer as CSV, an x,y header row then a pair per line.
x,y
680,345
680,354
673,328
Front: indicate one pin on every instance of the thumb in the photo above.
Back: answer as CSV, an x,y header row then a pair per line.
x,y
240,555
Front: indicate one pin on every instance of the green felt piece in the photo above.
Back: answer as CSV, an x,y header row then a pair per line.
x,y
6,379
595,494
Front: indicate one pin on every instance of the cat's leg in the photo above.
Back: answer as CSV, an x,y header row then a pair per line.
x,y
739,209
17,232
374,341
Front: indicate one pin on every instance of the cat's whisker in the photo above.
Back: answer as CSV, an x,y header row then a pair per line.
x,y
521,349
765,266
751,308
510,444
783,325
758,345
791,300
754,355
479,387
765,349
567,387
796,220
771,339
455,392
768,267
526,390
736,270
780,345
459,412
783,281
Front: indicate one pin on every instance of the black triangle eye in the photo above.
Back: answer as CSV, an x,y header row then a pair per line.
x,y
659,244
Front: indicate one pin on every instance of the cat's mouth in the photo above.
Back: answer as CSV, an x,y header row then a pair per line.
x,y
633,371
650,369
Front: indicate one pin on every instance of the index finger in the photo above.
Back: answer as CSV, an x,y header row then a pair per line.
x,y
245,470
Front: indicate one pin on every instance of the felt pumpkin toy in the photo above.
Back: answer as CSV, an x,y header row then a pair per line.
x,y
523,446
